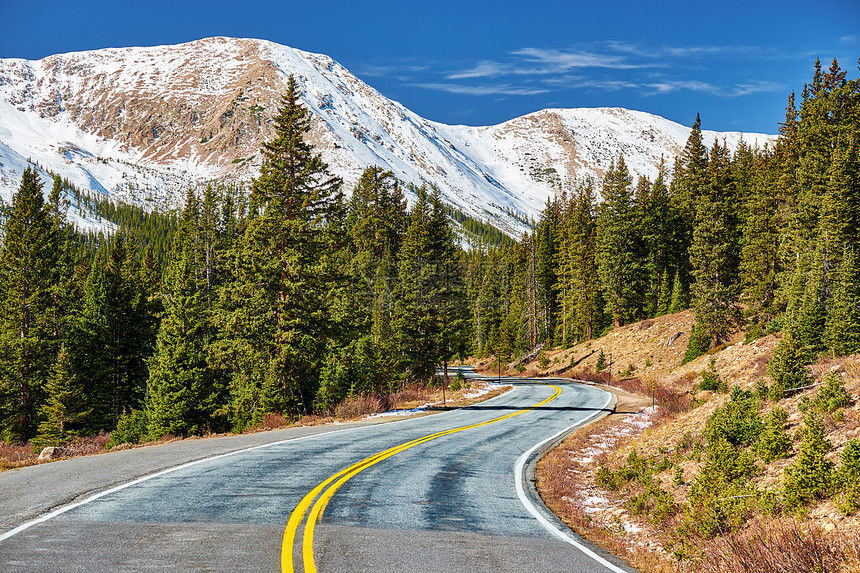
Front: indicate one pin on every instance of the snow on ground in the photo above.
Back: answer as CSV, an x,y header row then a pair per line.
x,y
488,172
594,501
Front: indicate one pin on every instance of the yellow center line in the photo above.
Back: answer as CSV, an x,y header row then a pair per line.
x,y
334,482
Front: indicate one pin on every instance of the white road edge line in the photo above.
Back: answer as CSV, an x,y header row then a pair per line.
x,y
65,508
519,474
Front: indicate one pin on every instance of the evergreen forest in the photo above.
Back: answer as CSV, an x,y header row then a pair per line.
x,y
288,297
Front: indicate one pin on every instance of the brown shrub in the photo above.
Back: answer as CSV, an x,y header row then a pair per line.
x,y
273,421
561,480
84,446
410,396
781,546
12,455
359,407
670,401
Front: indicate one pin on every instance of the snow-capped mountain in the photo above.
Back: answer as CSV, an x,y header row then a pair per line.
x,y
143,124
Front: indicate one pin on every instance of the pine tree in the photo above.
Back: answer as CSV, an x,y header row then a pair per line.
x,y
546,253
115,330
842,332
619,248
805,319
181,391
427,315
661,225
66,407
690,175
579,286
811,476
274,312
760,267
714,255
27,336
678,302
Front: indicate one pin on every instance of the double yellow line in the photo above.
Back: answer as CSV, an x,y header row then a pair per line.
x,y
325,490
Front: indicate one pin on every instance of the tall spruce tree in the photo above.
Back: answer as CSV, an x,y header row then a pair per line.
x,y
66,406
28,260
182,390
714,257
760,265
579,286
620,261
427,316
274,312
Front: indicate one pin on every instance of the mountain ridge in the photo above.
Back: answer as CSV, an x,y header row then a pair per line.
x,y
142,124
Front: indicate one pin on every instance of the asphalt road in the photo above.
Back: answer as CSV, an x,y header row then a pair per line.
x,y
447,492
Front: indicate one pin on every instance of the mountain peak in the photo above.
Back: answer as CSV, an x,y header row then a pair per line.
x,y
145,123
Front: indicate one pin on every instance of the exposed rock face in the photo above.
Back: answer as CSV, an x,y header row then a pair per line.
x,y
145,123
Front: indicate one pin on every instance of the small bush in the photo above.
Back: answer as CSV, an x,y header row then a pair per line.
x,y
272,421
84,446
762,392
736,421
678,477
606,478
778,546
698,345
718,506
456,383
130,429
601,362
543,361
774,443
848,478
711,380
832,395
811,476
359,407
653,501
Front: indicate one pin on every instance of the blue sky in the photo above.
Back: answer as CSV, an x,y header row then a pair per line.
x,y
482,63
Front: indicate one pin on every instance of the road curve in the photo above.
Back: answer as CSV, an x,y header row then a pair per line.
x,y
449,502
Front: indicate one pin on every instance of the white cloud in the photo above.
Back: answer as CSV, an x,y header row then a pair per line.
x,y
565,60
484,90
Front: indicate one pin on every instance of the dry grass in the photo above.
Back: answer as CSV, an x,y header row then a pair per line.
x,y
781,546
670,400
15,455
411,396
826,541
21,455
86,446
565,475
359,407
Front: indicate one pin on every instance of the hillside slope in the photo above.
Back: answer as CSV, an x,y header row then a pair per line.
x,y
655,532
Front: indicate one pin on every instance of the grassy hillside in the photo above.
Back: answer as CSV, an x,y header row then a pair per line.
x,y
699,484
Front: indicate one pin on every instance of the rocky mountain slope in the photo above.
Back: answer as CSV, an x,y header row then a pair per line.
x,y
142,124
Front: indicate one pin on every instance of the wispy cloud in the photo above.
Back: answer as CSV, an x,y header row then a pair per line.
x,y
483,69
482,90
611,66
403,73
566,60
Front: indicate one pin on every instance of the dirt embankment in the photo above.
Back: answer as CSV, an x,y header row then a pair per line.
x,y
648,355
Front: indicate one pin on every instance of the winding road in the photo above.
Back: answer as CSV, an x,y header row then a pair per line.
x,y
446,492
